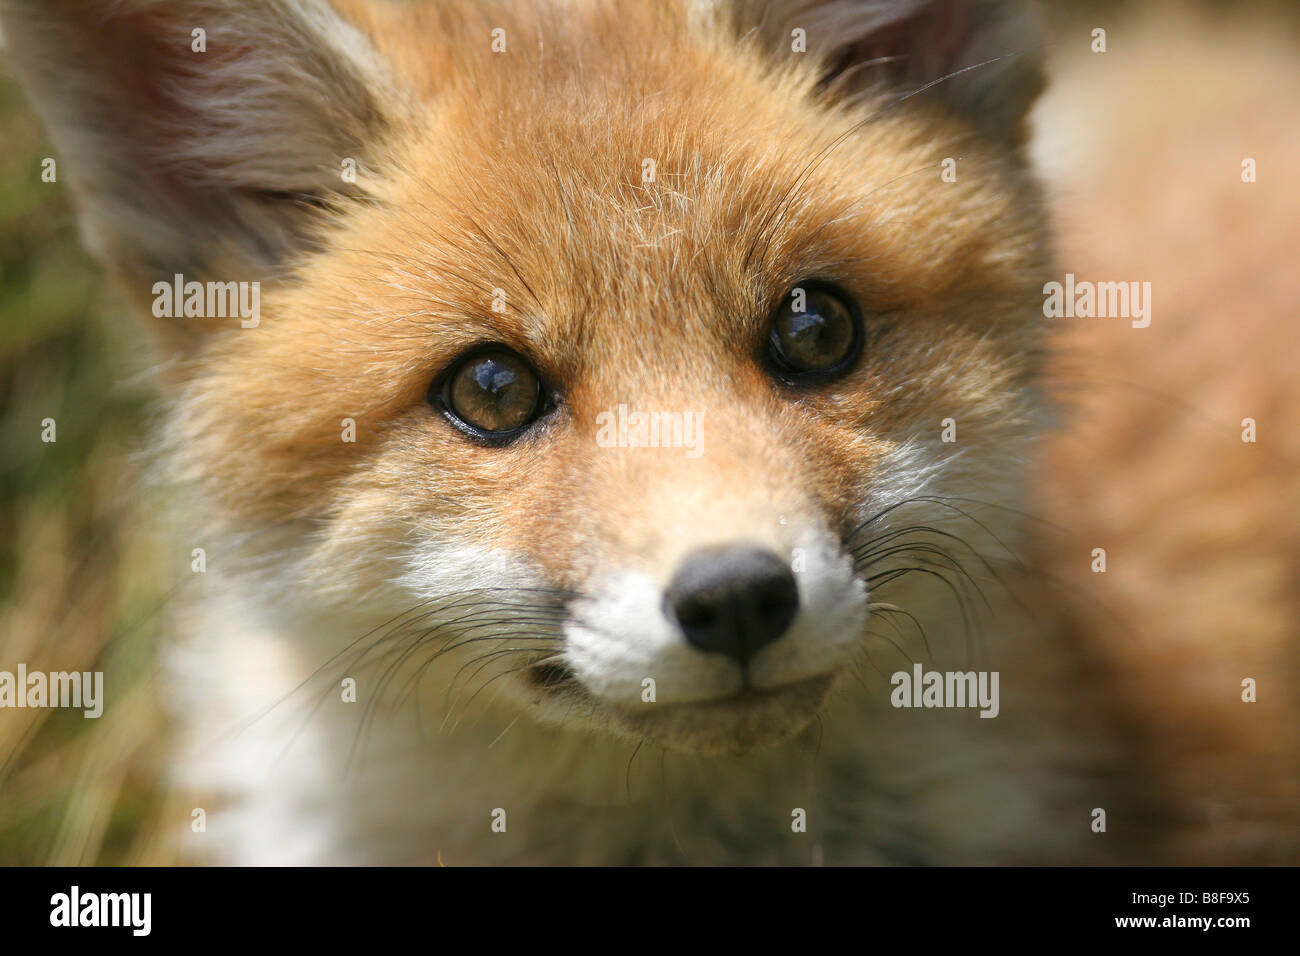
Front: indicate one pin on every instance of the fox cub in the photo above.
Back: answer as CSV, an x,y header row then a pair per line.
x,y
609,427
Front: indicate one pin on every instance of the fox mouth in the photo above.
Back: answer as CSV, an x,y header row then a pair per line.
x,y
553,677
750,719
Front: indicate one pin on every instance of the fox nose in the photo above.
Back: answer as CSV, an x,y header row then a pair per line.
x,y
732,600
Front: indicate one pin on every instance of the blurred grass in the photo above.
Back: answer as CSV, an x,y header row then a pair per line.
x,y
80,587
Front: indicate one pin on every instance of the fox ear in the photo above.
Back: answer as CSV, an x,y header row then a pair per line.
x,y
980,55
200,137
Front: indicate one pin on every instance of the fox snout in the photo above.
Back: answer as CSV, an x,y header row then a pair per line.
x,y
726,645
732,600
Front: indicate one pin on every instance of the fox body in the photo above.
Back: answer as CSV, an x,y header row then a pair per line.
x,y
422,636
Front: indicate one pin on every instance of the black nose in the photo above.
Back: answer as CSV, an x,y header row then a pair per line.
x,y
732,600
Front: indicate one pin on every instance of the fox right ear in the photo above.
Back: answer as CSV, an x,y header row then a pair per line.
x,y
203,137
977,58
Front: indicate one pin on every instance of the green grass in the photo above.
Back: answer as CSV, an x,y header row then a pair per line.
x,y
80,584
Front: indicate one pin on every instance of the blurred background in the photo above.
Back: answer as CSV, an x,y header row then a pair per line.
x,y
80,582
1139,152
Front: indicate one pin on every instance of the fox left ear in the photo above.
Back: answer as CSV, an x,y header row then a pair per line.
x,y
978,58
200,137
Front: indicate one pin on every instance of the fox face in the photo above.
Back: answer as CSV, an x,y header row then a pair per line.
x,y
606,358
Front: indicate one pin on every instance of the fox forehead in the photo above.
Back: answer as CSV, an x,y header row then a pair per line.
x,y
667,191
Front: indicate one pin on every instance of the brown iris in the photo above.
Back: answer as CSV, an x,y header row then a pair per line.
x,y
493,391
814,331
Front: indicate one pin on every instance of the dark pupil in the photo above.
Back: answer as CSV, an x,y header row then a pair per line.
x,y
816,338
495,393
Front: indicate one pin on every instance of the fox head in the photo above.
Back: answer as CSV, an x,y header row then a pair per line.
x,y
628,358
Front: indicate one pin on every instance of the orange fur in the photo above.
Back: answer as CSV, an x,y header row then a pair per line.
x,y
1200,528
517,176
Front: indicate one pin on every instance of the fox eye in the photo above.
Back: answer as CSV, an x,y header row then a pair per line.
x,y
815,332
491,393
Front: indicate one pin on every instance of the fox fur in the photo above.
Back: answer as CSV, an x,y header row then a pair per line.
x,y
357,544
